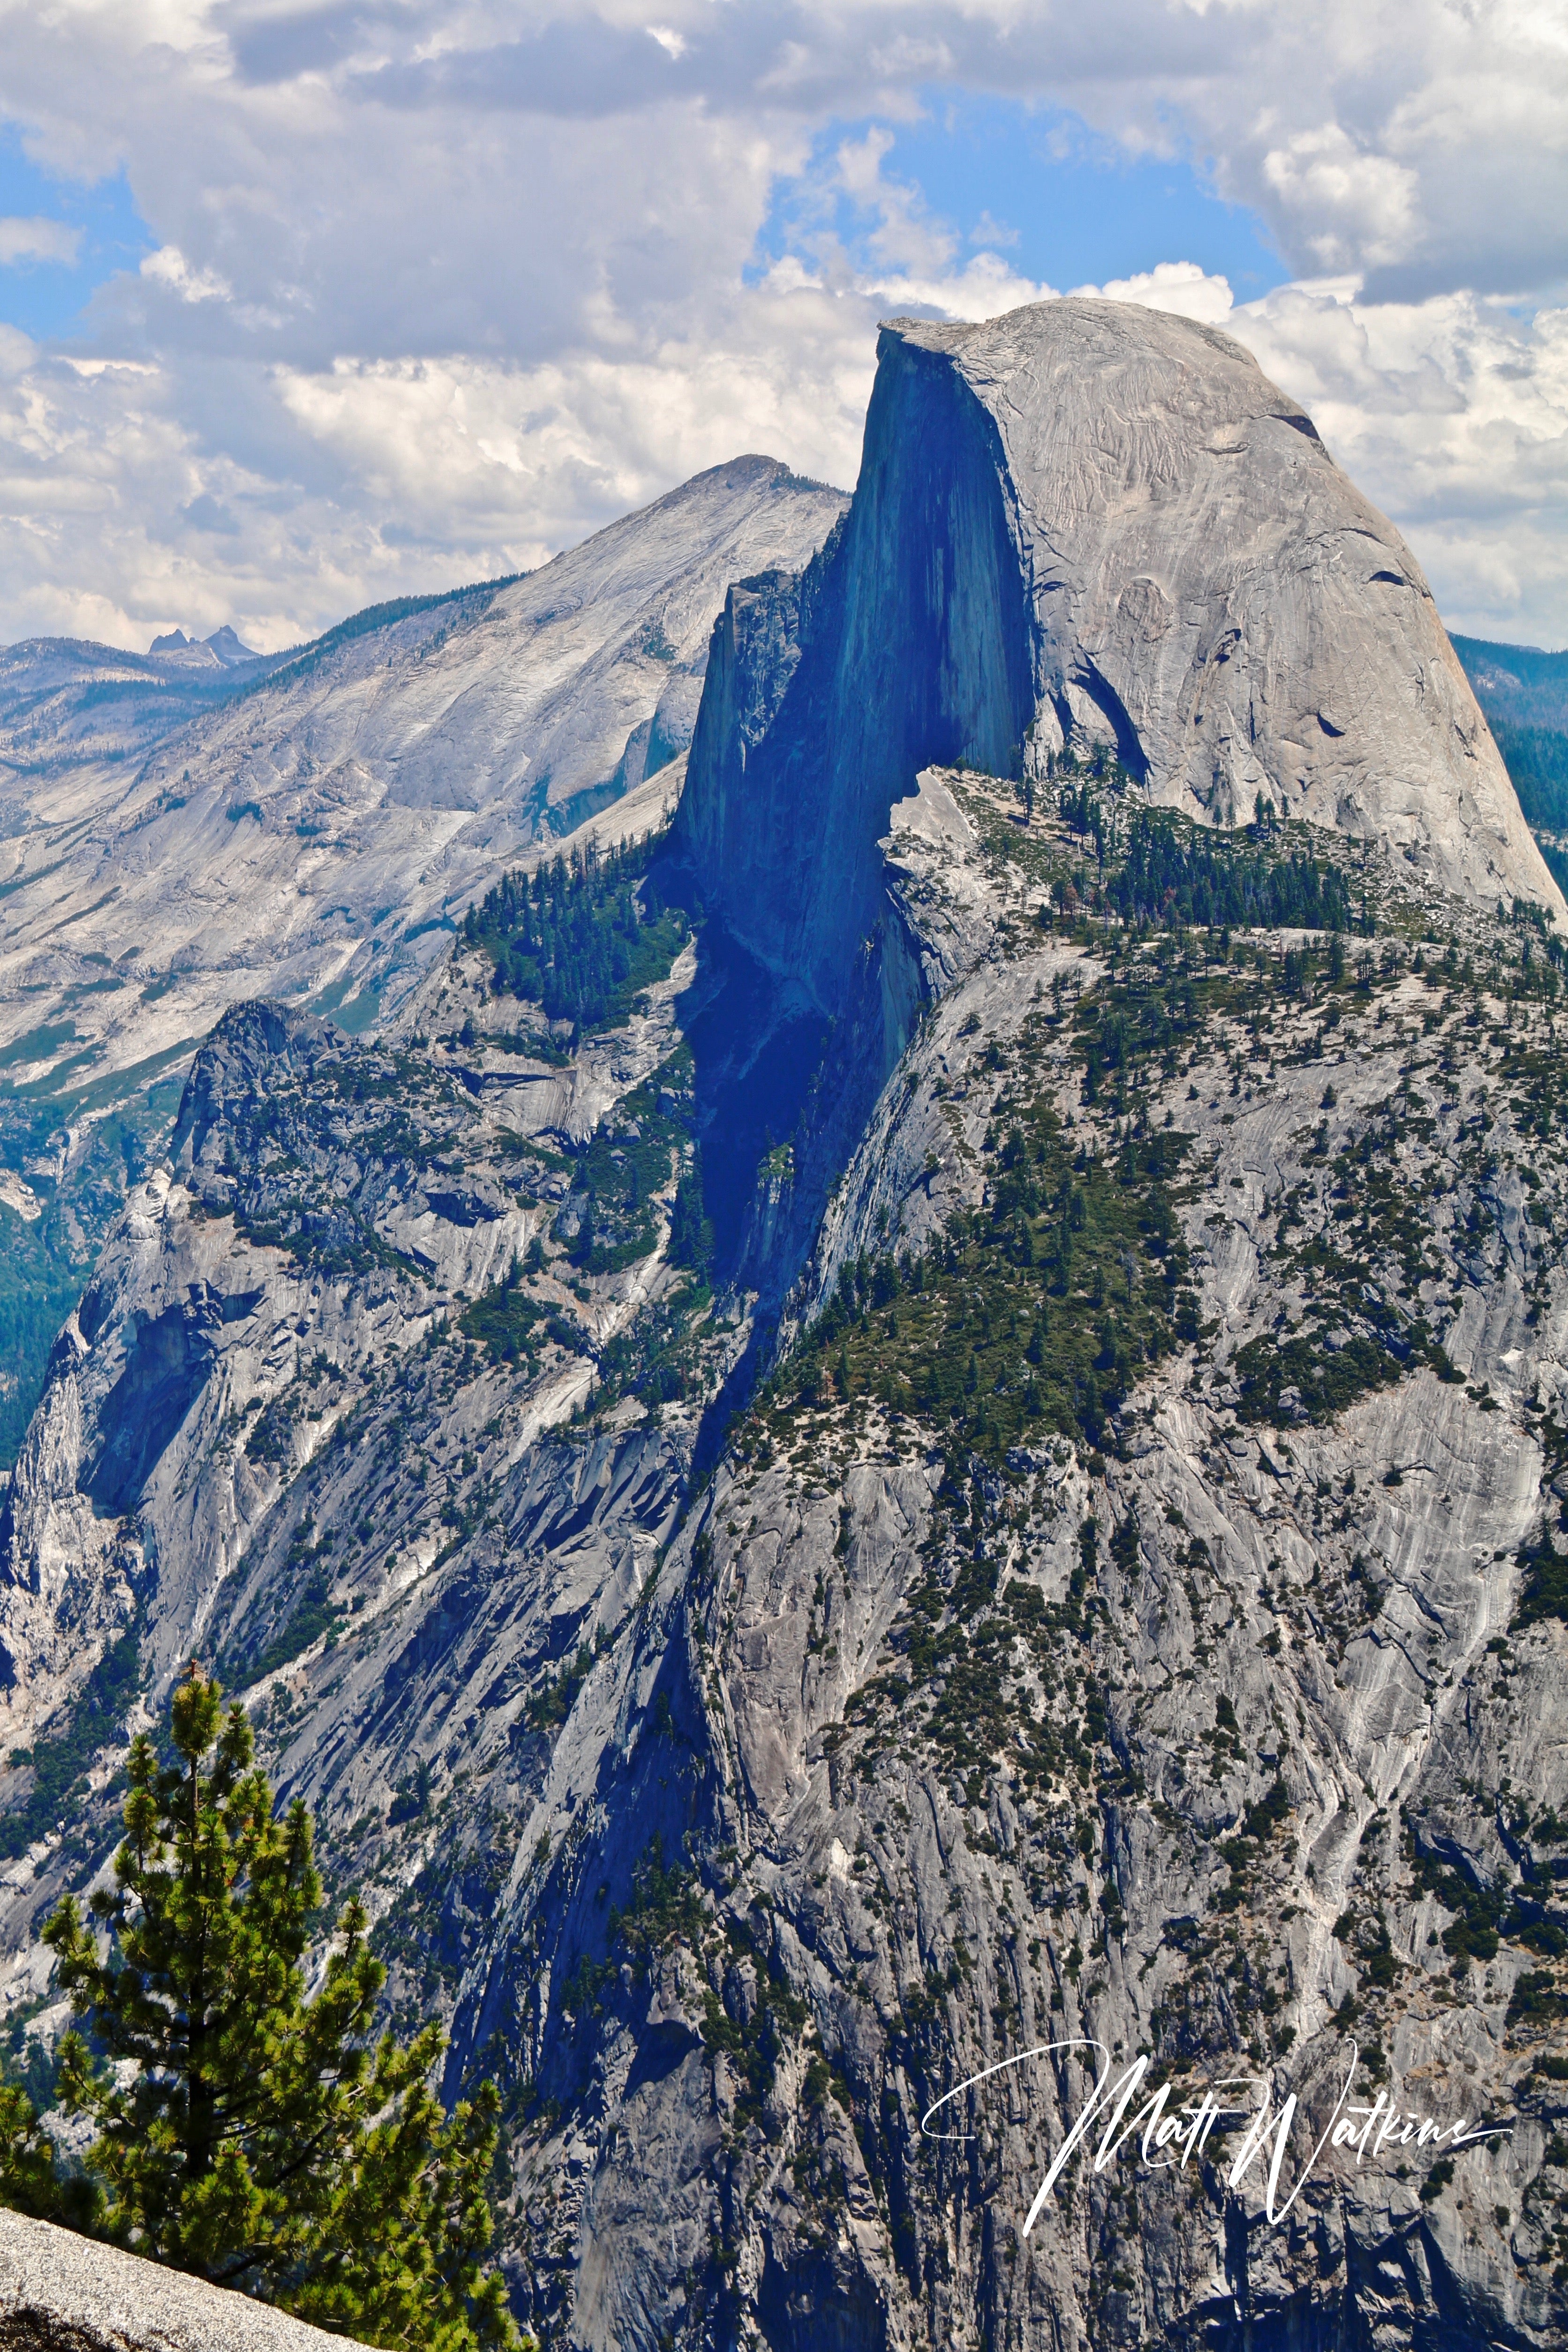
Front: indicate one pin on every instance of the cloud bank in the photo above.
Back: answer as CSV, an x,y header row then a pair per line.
x,y
437,287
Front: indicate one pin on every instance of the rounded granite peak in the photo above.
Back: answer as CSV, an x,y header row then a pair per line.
x,y
1086,525
1209,592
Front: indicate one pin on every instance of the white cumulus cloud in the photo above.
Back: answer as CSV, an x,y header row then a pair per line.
x,y
438,286
38,239
1178,286
168,266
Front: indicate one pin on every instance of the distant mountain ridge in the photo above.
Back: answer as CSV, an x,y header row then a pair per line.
x,y
72,708
1523,691
298,836
1522,683
70,705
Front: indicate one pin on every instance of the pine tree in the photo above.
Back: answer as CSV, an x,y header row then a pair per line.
x,y
257,2138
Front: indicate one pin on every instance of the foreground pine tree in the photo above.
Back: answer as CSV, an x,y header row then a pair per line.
x,y
256,2138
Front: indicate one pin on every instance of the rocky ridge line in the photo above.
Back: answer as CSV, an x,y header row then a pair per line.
x,y
732,1826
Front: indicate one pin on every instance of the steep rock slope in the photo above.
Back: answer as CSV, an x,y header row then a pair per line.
x,y
77,1144
313,839
55,2289
72,712
1086,524
1128,1612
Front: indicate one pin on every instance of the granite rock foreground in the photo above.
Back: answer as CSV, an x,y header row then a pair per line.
x,y
60,2292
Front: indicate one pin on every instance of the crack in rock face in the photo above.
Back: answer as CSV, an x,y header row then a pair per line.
x,y
967,1486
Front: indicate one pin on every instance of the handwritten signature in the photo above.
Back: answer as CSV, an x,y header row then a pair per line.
x,y
1173,2137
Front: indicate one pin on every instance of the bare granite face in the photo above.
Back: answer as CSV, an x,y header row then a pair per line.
x,y
60,2292
1213,597
317,839
1088,524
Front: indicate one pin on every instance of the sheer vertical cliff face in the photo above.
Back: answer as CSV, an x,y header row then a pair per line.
x,y
906,640
1135,1614
1086,524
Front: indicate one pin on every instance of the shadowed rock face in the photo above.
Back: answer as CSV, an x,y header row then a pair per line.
x,y
1085,524
732,1812
904,642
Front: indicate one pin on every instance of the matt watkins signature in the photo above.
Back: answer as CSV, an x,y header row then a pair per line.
x,y
1170,2135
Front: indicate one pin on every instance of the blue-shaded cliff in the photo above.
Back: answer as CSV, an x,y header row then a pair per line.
x,y
1083,524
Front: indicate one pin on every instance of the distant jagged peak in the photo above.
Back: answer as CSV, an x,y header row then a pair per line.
x,y
223,646
228,648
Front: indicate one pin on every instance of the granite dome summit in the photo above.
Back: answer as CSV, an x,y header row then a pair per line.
x,y
976,1457
1083,523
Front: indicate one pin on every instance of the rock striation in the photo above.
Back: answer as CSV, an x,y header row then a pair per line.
x,y
981,1463
1086,524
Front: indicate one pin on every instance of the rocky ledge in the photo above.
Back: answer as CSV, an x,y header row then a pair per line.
x,y
60,2292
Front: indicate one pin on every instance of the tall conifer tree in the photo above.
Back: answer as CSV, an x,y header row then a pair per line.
x,y
258,2139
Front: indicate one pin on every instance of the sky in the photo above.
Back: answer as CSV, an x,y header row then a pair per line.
x,y
302,306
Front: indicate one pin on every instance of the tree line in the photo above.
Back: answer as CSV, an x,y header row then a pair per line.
x,y
582,935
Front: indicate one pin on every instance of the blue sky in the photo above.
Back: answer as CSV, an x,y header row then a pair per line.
x,y
43,296
1062,206
431,291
